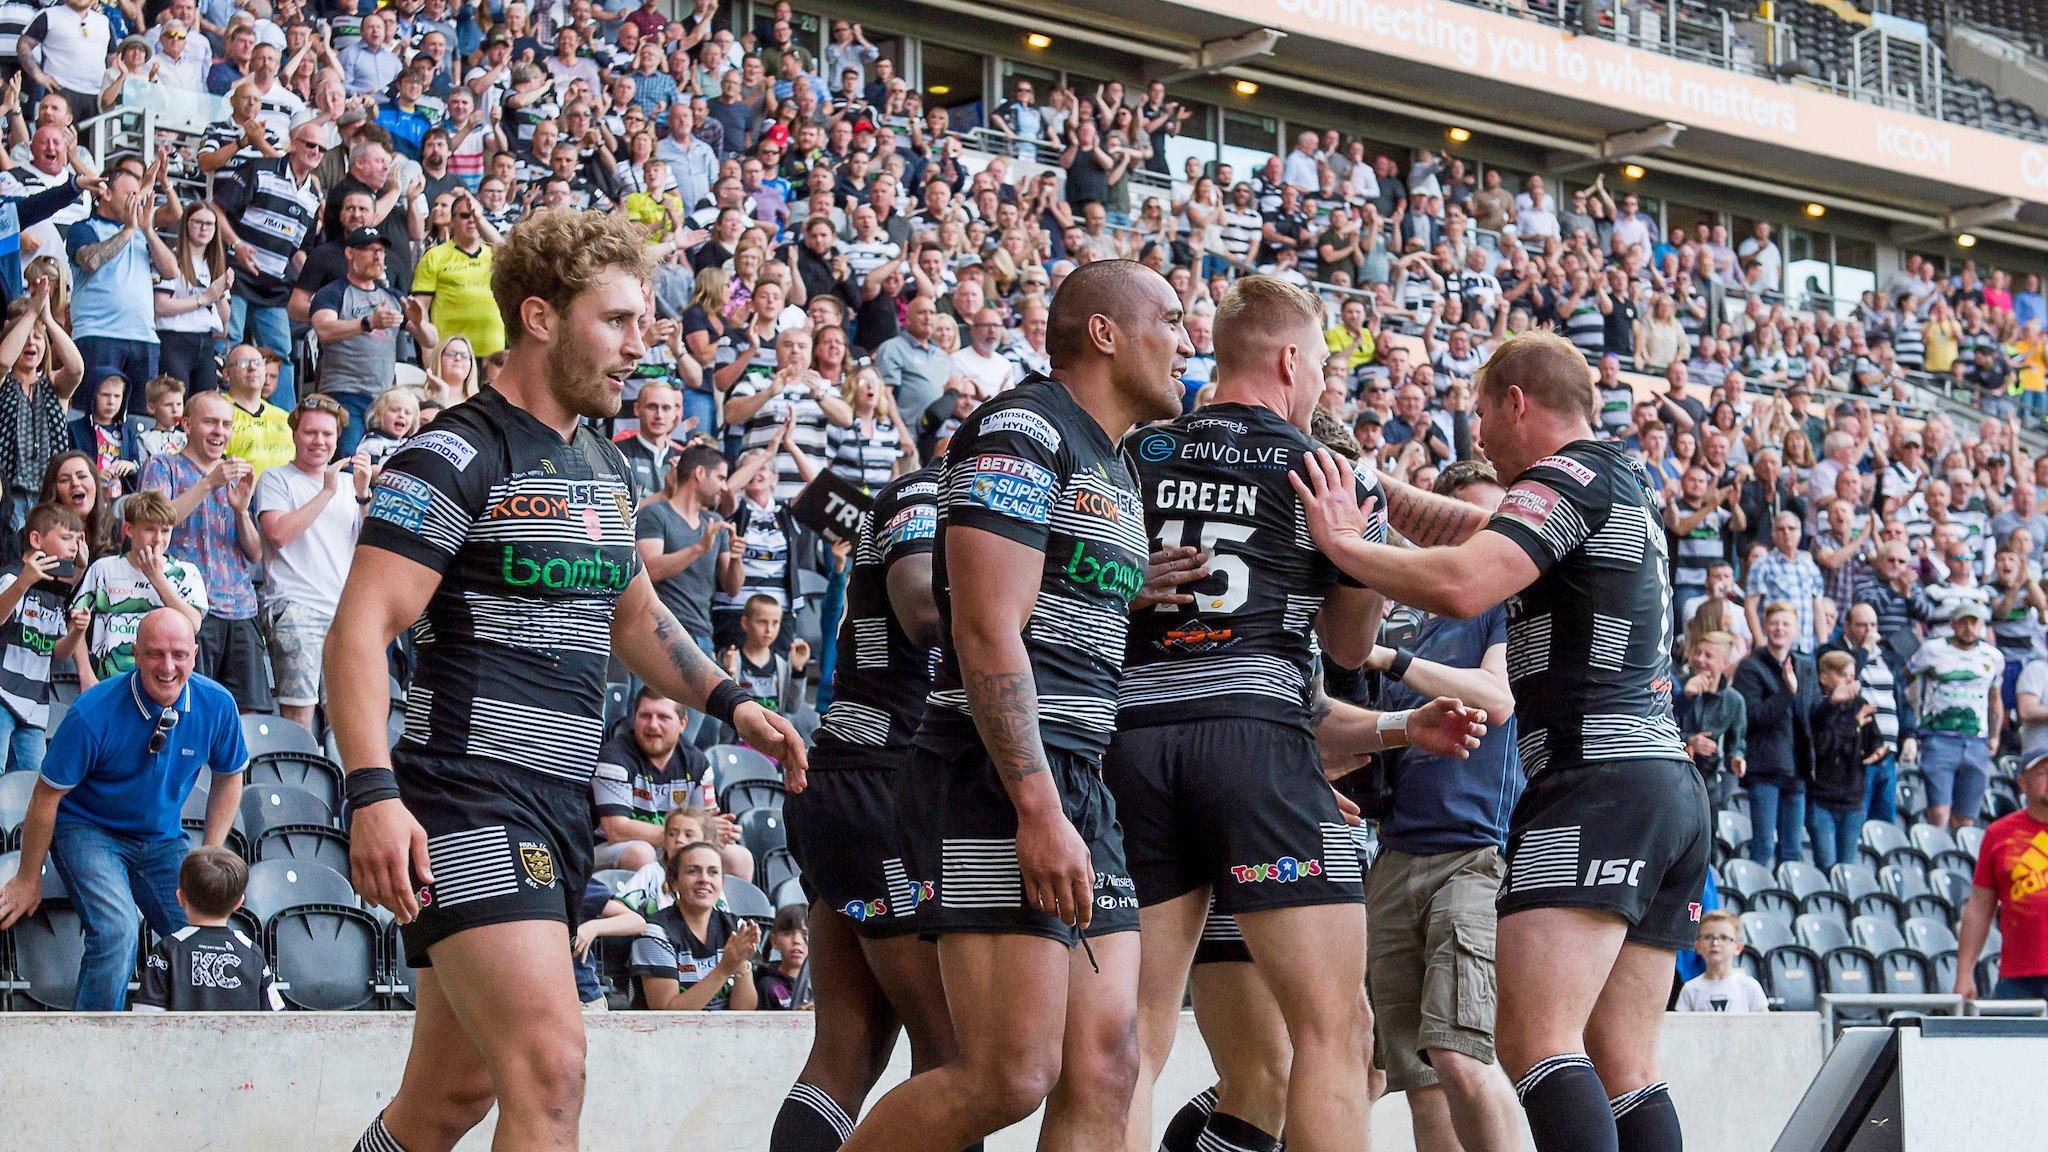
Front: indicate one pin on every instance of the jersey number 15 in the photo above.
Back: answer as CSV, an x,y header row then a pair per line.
x,y
1235,574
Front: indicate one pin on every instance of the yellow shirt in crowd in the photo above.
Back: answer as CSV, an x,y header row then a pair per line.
x,y
263,437
460,284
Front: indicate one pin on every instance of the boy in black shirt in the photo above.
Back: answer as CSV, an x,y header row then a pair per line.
x,y
1845,743
207,966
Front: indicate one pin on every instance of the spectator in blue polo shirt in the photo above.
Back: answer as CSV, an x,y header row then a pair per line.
x,y
106,808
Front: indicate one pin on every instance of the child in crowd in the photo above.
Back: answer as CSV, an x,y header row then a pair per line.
x,y
166,433
1721,988
603,915
1712,714
34,631
648,892
108,436
775,982
1845,744
119,590
775,682
207,966
694,955
393,418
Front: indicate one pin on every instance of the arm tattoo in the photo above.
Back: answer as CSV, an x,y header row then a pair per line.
x,y
1318,711
695,668
1005,708
93,256
1429,520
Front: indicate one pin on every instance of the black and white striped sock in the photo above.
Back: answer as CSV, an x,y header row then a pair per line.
x,y
1186,1126
810,1121
1566,1105
376,1139
1227,1133
1645,1121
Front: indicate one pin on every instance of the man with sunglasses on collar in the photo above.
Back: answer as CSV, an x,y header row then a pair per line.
x,y
106,810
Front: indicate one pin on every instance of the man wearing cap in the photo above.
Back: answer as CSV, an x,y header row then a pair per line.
x,y
1957,678
2012,880
356,319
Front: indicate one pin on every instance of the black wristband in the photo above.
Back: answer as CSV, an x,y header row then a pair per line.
x,y
366,786
1398,666
725,700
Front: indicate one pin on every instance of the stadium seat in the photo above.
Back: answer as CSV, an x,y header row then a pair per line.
x,y
311,842
1858,882
1848,972
1822,933
15,788
743,899
1931,840
613,878
1810,886
1792,977
777,867
1928,937
617,704
1888,843
325,958
1987,975
1731,831
1905,879
762,831
733,763
277,885
1953,886
275,805
1742,876
58,710
47,949
1876,935
748,794
1903,975
1970,839
2001,798
266,733
1766,932
790,893
1943,972
309,772
1911,795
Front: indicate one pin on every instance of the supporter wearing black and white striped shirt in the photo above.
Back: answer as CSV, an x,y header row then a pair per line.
x,y
240,136
1242,225
794,403
765,540
866,451
868,247
268,209
1701,522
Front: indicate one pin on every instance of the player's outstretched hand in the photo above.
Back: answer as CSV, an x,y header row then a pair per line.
x,y
1328,500
386,846
1446,727
1059,875
1166,572
776,738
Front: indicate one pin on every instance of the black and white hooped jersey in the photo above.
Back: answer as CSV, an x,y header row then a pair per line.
x,y
1216,480
1587,656
881,680
533,538
206,968
1034,467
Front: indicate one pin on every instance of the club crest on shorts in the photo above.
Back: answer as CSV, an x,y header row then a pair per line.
x,y
538,862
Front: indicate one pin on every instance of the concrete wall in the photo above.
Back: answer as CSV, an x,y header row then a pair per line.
x,y
657,1083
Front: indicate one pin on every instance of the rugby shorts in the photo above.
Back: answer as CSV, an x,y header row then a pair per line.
x,y
1238,805
958,832
842,831
504,845
1631,837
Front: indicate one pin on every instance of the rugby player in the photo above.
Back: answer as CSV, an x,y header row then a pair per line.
x,y
872,974
1042,547
1608,846
1215,768
503,537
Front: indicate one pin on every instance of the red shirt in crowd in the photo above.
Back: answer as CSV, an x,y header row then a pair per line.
x,y
2013,864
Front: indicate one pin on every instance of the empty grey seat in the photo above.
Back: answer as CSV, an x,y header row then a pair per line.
x,y
325,958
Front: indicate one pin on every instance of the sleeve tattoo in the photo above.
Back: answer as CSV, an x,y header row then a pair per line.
x,y
1428,520
696,669
1005,708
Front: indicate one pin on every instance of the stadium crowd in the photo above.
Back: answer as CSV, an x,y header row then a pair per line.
x,y
211,349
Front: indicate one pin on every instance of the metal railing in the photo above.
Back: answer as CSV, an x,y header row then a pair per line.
x,y
1752,45
1834,1005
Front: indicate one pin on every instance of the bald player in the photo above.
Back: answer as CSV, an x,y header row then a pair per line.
x,y
1608,846
1008,828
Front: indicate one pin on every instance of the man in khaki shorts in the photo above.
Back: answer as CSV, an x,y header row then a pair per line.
x,y
1429,897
